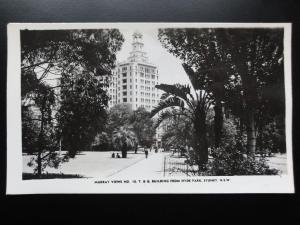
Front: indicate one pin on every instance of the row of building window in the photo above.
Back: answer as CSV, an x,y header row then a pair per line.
x,y
148,76
142,100
142,87
140,68
124,87
146,94
141,81
146,69
149,100
142,75
130,93
146,106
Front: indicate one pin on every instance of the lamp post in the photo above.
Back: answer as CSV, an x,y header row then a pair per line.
x,y
59,150
59,153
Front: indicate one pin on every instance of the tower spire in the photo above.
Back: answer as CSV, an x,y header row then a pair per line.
x,y
137,36
137,53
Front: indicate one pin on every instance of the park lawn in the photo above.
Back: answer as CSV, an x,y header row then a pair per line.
x,y
278,161
90,164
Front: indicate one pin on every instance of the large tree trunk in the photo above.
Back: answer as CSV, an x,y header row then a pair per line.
x,y
251,136
259,141
241,125
200,141
39,167
250,100
124,151
218,125
41,145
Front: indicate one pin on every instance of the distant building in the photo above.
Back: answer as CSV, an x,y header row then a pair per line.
x,y
133,81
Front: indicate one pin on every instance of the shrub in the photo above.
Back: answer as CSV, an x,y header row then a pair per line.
x,y
49,159
231,160
191,156
101,142
273,139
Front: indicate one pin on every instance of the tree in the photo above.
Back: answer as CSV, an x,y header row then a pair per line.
x,y
205,62
237,66
84,96
30,130
64,55
55,51
139,121
123,139
180,100
142,125
257,58
38,130
101,142
82,114
118,115
178,133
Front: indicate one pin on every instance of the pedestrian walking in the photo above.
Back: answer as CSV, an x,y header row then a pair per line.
x,y
146,153
135,149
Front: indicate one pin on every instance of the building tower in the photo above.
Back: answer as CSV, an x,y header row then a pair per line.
x,y
133,81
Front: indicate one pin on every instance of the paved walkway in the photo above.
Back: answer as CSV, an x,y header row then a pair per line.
x,y
150,167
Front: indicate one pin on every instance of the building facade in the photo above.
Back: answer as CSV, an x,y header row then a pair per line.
x,y
133,81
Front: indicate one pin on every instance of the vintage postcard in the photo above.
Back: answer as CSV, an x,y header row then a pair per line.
x,y
149,108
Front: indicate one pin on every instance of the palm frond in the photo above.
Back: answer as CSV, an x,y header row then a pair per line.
x,y
171,101
122,136
164,96
181,91
170,113
178,90
171,141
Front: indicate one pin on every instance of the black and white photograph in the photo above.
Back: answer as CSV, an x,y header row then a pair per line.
x,y
149,108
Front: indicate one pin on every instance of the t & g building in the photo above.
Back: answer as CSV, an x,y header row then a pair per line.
x,y
133,81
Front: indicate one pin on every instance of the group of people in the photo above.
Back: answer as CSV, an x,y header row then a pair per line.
x,y
145,151
115,155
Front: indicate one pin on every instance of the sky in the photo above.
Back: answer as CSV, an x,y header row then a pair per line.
x,y
169,67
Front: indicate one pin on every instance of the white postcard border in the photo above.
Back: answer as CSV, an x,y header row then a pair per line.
x,y
236,184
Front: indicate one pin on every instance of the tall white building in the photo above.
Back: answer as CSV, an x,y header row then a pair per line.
x,y
133,81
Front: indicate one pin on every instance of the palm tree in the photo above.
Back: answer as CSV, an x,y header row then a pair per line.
x,y
124,139
192,103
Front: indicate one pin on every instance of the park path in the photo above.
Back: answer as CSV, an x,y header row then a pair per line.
x,y
150,167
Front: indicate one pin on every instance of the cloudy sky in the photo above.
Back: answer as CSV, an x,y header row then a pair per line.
x,y
169,66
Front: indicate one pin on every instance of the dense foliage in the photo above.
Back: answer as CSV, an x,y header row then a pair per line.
x,y
63,89
231,159
241,70
142,125
138,123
